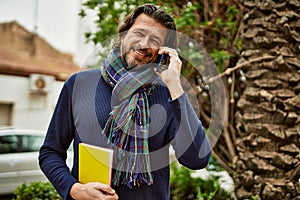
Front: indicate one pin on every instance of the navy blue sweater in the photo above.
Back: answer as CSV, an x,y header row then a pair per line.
x,y
80,114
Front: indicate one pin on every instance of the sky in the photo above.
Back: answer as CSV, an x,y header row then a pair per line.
x,y
57,21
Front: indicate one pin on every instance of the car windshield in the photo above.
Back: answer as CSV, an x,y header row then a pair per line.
x,y
20,143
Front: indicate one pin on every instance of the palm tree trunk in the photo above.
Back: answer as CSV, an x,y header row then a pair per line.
x,y
268,116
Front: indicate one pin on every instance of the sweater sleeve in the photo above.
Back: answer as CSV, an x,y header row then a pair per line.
x,y
190,143
53,153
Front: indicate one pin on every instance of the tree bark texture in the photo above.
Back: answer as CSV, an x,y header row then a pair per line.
x,y
267,120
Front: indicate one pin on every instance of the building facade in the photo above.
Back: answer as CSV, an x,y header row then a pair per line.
x,y
32,73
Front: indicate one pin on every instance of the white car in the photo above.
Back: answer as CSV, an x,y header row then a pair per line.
x,y
19,150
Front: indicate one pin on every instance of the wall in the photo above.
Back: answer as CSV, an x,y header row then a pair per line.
x,y
30,111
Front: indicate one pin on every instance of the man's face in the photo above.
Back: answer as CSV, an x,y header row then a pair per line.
x,y
142,41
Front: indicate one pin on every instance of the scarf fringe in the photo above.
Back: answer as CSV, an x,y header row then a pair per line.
x,y
137,176
122,130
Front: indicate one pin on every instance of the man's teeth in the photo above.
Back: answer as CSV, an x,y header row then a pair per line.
x,y
139,53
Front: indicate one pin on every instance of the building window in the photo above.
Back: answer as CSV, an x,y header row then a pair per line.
x,y
6,110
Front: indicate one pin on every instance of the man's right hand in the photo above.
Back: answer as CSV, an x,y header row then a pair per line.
x,y
93,191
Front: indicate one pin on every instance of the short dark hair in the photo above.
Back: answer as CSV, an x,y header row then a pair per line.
x,y
156,13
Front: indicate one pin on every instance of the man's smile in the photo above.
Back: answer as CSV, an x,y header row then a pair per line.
x,y
140,54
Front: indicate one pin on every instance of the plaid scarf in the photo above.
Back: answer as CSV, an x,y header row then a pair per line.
x,y
128,124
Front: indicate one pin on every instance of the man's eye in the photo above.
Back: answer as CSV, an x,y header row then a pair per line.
x,y
139,34
155,42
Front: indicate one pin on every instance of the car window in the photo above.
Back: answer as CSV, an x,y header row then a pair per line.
x,y
31,143
8,144
20,143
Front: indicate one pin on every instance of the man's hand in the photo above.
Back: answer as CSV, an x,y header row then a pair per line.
x,y
93,191
171,76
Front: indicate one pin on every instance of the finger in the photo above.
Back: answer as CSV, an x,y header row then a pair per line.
x,y
112,197
105,188
171,52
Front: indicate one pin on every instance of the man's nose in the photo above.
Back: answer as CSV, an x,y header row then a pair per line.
x,y
144,42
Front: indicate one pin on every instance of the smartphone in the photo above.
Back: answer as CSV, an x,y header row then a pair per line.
x,y
161,59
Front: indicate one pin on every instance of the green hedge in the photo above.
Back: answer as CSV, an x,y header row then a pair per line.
x,y
185,187
36,191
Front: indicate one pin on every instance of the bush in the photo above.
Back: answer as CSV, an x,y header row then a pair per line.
x,y
184,187
36,191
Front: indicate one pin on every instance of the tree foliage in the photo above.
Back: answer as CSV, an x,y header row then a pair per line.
x,y
214,25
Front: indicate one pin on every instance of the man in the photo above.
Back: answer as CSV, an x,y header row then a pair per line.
x,y
131,106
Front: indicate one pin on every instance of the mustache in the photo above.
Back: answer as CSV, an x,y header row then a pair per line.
x,y
146,51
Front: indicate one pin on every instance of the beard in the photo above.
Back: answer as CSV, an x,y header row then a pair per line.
x,y
136,57
131,61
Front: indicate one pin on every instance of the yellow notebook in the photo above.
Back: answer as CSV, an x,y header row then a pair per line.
x,y
95,164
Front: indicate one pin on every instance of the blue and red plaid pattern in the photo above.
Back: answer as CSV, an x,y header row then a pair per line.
x,y
128,124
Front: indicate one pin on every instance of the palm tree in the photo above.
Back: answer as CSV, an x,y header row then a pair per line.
x,y
267,120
